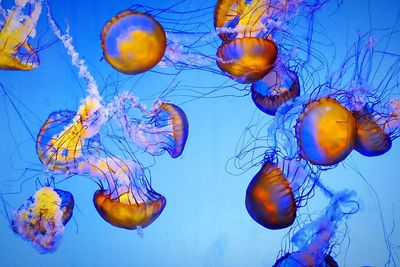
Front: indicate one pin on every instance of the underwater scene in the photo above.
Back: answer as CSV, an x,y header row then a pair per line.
x,y
238,133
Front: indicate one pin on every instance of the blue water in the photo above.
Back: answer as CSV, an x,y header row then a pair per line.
x,y
205,222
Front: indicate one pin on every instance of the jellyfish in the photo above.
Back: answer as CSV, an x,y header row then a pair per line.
x,y
165,127
241,18
253,32
133,42
15,31
129,201
326,132
41,219
275,88
61,141
248,59
314,240
269,198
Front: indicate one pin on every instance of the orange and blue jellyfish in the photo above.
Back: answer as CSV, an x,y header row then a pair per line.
x,y
277,87
16,29
133,42
250,32
314,128
41,219
269,198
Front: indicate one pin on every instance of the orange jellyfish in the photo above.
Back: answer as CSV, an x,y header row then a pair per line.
x,y
133,42
326,132
277,87
372,140
41,219
15,30
248,59
269,198
243,18
61,139
129,202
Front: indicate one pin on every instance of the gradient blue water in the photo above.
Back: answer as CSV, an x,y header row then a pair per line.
x,y
205,222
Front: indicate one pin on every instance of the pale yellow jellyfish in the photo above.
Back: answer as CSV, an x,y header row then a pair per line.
x,y
41,219
16,28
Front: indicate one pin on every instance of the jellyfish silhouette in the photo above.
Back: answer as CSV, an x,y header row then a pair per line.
x,y
269,198
274,89
15,31
315,125
41,219
133,42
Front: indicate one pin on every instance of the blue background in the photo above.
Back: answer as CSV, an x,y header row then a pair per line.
x,y
205,222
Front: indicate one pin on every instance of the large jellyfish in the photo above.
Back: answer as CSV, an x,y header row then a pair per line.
x,y
41,219
129,201
249,31
133,42
269,198
314,128
16,28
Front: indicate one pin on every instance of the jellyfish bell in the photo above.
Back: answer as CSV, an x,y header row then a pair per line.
x,y
247,59
170,115
128,215
325,131
133,42
274,89
41,219
269,198
15,30
372,140
129,202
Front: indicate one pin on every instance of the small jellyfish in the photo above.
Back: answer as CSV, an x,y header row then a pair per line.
x,y
372,140
129,202
269,198
165,127
133,42
277,87
41,219
247,60
325,132
15,30
257,18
